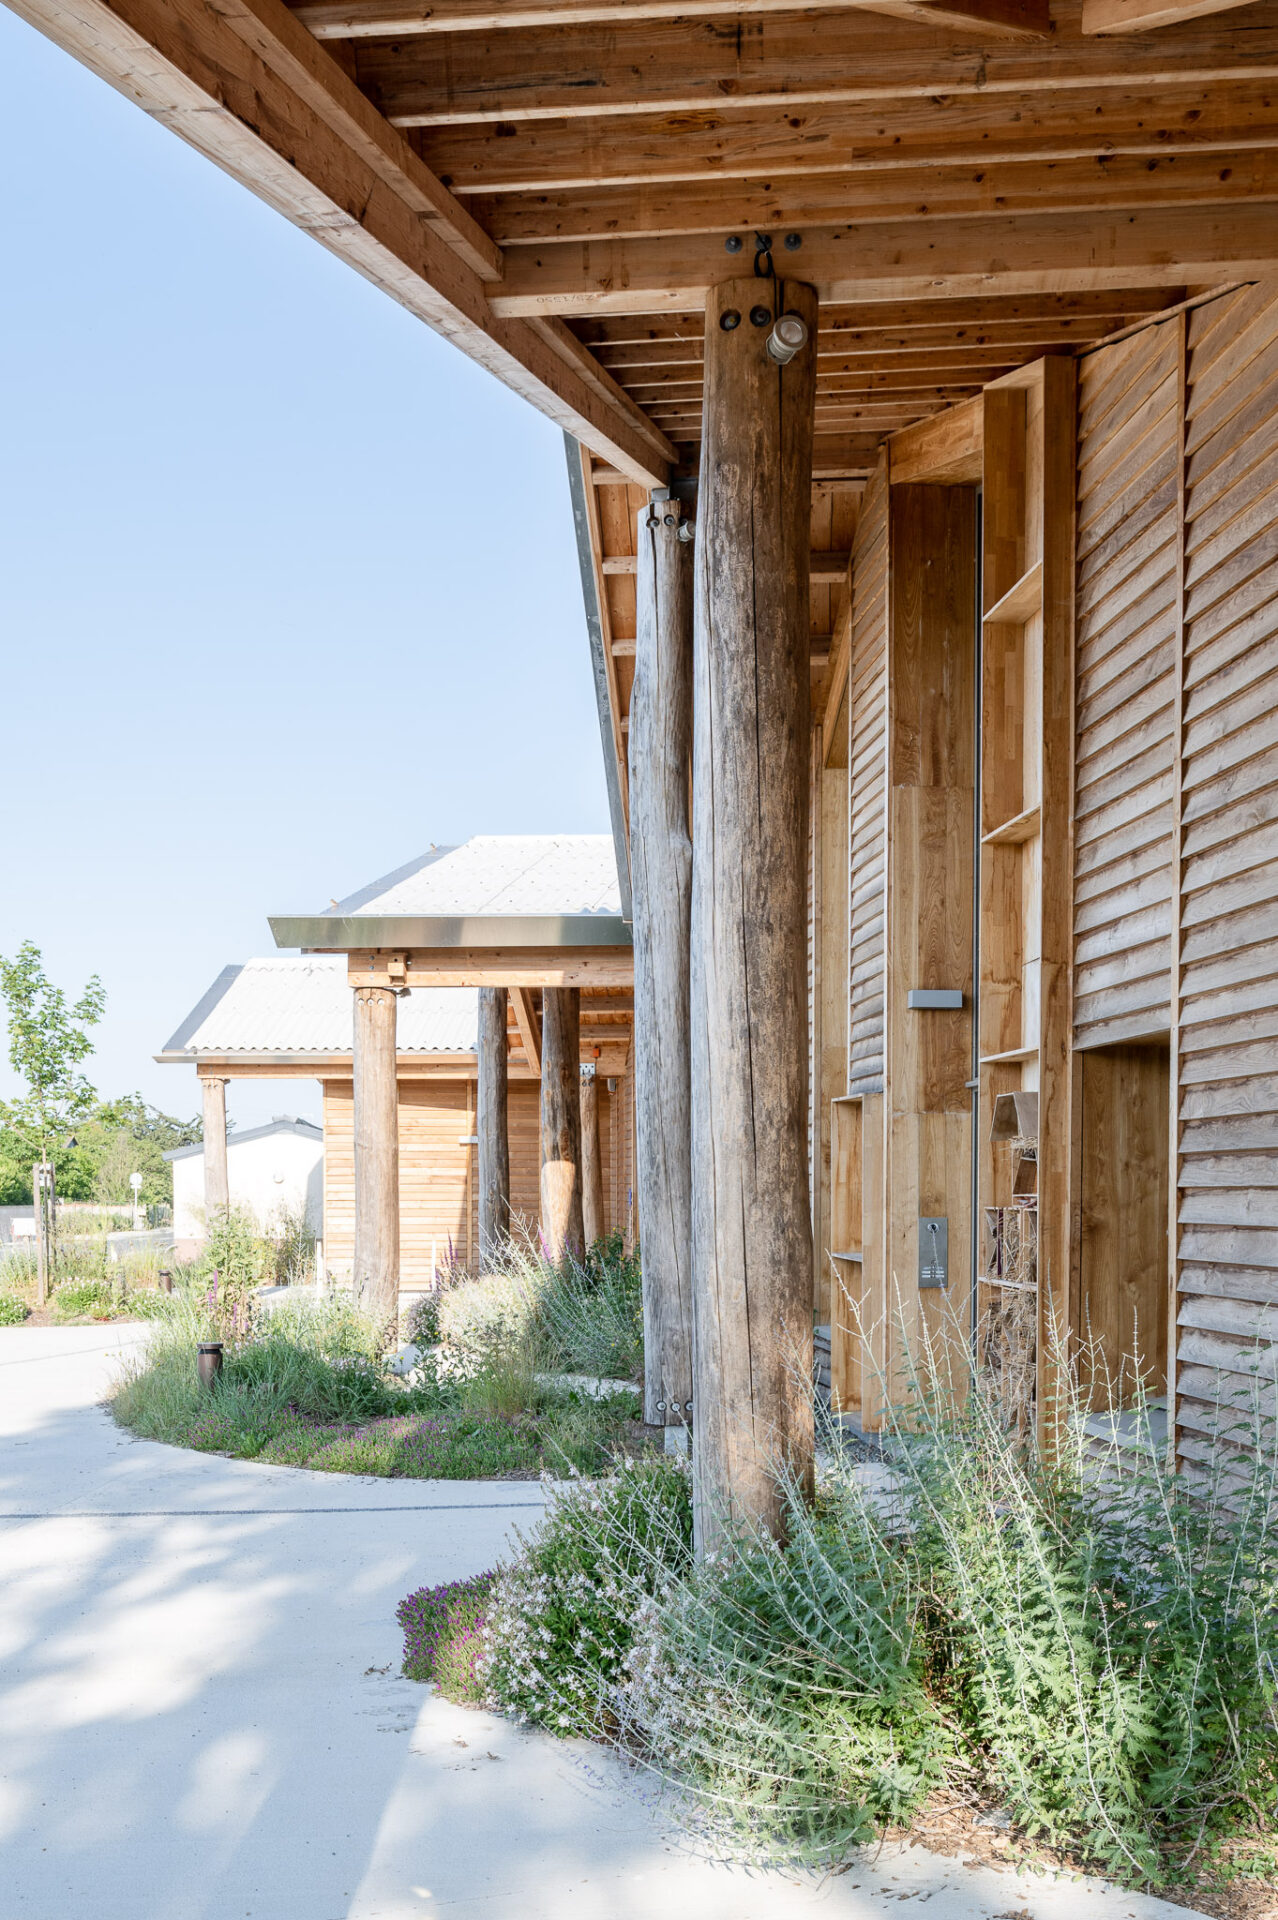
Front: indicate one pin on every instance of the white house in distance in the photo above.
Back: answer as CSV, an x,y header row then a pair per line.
x,y
272,1170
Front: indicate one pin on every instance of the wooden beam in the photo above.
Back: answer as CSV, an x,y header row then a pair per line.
x,y
660,151
945,449
1023,253
529,1026
616,708
1100,181
491,1125
375,1269
1139,16
507,967
400,19
661,889
751,1226
778,61
246,85
217,1188
562,1224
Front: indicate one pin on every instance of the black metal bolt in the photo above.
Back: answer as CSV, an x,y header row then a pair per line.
x,y
793,241
729,320
760,316
209,1363
733,243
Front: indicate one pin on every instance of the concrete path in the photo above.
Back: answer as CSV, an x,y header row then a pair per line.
x,y
201,1716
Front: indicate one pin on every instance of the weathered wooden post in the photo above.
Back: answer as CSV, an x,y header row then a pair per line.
x,y
661,884
751,1231
217,1184
494,1136
592,1194
562,1224
376,1263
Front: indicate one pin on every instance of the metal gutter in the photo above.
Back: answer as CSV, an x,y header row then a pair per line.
x,y
594,627
352,933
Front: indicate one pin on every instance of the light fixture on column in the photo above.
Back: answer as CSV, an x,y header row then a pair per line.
x,y
789,336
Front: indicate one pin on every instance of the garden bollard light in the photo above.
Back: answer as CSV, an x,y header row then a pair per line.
x,y
166,1280
210,1362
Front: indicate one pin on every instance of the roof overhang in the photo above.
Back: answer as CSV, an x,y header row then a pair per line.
x,y
516,950
404,933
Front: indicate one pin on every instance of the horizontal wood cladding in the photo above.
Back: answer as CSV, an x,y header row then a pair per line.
x,y
1127,603
1227,1336
867,765
437,1174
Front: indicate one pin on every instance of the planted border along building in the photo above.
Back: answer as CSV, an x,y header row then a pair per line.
x,y
952,327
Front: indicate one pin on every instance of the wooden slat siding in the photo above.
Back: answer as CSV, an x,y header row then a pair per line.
x,y
1227,1299
867,764
1126,612
435,1194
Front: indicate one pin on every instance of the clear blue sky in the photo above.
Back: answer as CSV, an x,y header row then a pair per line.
x,y
287,587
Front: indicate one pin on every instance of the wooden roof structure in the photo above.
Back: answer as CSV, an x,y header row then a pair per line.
x,y
555,184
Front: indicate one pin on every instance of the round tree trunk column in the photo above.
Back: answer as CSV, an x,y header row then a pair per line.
x,y
494,1136
563,1227
592,1193
661,886
376,1266
751,1228
217,1184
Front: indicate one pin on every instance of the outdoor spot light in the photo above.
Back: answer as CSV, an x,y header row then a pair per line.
x,y
788,337
209,1364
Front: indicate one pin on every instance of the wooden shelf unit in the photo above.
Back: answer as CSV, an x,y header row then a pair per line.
x,y
1026,733
849,1141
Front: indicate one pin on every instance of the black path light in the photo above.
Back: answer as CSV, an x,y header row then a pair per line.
x,y
209,1363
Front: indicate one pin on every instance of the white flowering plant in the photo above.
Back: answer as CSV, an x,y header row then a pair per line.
x,y
562,1615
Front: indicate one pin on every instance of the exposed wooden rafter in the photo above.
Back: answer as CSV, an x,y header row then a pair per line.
x,y
781,61
380,19
1022,253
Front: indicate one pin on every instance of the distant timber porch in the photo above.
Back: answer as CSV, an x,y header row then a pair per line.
x,y
555,992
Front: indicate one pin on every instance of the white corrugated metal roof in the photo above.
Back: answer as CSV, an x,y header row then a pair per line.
x,y
499,874
282,1004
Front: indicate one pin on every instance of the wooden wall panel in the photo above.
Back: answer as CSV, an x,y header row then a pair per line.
x,y
1127,603
867,757
1228,938
437,1183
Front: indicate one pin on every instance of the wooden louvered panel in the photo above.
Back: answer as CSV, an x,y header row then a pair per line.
x,y
867,771
1125,715
1227,1336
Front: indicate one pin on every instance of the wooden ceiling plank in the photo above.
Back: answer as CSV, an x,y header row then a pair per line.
x,y
1100,182
790,60
402,19
1200,246
657,151
1139,16
220,81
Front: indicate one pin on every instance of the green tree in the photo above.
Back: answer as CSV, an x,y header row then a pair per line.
x,y
127,1136
48,1042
